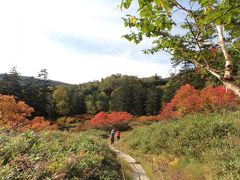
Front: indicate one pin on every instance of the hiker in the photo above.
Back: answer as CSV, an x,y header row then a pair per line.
x,y
118,135
112,136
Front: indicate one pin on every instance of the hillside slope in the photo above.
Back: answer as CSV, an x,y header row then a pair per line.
x,y
193,147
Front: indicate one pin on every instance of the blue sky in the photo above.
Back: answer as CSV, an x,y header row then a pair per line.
x,y
76,41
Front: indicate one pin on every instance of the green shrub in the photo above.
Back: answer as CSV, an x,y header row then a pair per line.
x,y
211,139
55,155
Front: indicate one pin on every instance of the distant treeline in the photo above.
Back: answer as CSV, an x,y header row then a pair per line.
x,y
138,96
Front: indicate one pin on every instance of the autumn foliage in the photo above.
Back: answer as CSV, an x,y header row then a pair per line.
x,y
148,118
216,98
189,100
15,115
39,123
117,120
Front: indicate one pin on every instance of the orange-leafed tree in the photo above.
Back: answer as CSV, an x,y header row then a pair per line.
x,y
186,100
220,97
99,121
169,111
118,120
189,100
13,114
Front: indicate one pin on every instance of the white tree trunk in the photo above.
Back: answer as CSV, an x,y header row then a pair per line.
x,y
229,84
228,64
235,88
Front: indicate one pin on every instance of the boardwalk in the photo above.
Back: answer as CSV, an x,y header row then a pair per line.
x,y
138,171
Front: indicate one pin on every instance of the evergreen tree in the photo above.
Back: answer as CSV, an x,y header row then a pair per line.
x,y
153,102
122,99
77,101
11,84
102,102
43,95
140,96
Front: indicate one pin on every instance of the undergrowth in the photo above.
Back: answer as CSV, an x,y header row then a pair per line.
x,y
197,146
55,155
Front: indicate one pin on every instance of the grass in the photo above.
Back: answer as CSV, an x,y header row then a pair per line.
x,y
194,147
144,159
126,169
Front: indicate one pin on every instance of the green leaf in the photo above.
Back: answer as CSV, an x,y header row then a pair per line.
x,y
157,2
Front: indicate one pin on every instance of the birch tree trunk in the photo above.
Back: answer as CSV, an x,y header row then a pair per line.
x,y
229,63
230,84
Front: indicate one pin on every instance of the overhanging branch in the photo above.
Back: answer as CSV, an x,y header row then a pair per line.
x,y
230,84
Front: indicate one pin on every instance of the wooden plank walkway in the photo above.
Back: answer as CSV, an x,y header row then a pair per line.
x,y
138,171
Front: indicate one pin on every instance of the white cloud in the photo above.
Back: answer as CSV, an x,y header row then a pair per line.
x,y
93,68
24,40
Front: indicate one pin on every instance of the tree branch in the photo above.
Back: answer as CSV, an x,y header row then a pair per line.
x,y
235,88
197,42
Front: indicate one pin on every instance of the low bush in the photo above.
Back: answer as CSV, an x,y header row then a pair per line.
x,y
39,124
54,155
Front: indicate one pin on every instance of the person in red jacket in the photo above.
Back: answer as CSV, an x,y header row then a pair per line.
x,y
118,135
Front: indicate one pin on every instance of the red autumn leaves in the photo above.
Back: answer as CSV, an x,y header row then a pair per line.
x,y
113,120
189,100
186,101
15,115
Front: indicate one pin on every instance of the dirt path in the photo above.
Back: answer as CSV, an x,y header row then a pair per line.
x,y
138,171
